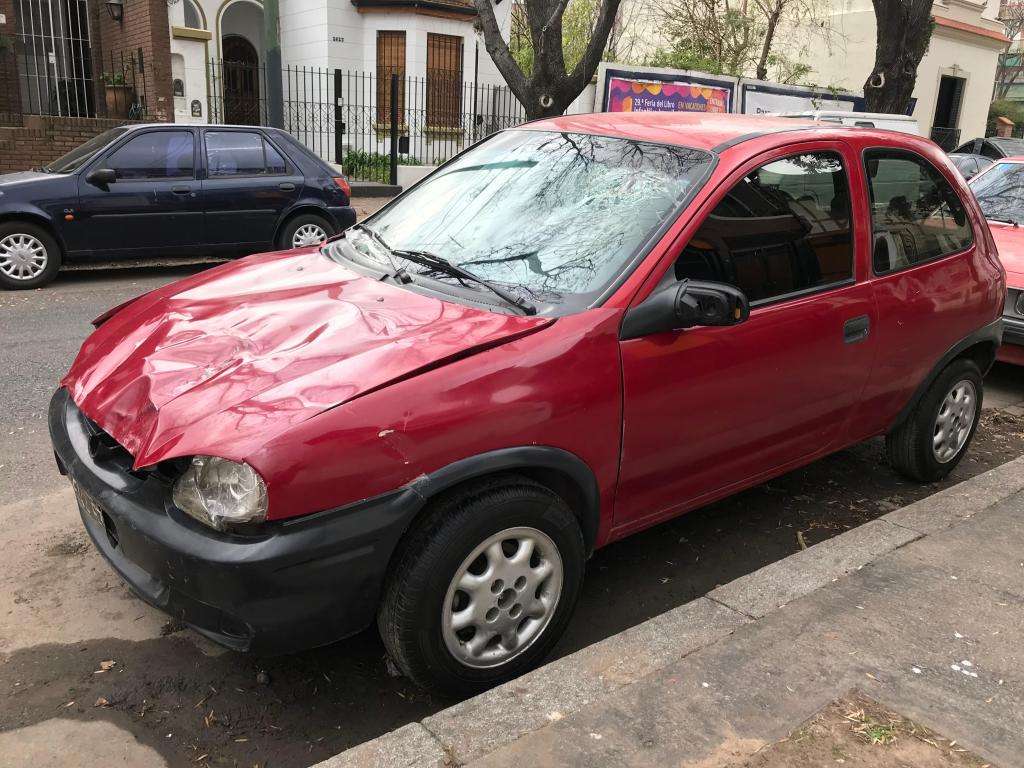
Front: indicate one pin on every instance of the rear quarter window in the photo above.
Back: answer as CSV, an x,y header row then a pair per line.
x,y
916,215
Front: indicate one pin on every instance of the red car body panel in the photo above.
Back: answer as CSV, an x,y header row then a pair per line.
x,y
1009,240
260,345
338,388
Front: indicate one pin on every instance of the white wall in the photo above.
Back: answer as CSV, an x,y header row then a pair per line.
x,y
188,62
847,60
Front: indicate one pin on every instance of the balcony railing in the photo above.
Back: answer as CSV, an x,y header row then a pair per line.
x,y
947,138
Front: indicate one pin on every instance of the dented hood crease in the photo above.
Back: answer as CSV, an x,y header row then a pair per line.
x,y
222,362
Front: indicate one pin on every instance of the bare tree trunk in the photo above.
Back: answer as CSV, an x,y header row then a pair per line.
x,y
549,90
904,29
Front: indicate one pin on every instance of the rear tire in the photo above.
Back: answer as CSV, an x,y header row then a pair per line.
x,y
482,586
934,437
305,230
29,256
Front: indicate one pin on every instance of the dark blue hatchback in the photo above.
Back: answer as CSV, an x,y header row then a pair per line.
x,y
167,190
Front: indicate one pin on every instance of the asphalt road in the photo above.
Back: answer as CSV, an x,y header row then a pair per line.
x,y
63,614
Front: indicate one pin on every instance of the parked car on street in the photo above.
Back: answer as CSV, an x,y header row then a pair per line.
x,y
993,147
1000,194
970,165
572,331
167,190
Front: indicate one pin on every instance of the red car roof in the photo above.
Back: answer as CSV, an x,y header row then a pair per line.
x,y
701,131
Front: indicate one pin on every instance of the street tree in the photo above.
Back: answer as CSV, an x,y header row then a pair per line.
x,y
738,37
544,76
1010,69
903,32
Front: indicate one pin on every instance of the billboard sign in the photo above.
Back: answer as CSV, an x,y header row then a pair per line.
x,y
629,95
654,90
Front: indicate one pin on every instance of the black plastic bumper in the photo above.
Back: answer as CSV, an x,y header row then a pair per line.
x,y
344,216
1013,331
303,583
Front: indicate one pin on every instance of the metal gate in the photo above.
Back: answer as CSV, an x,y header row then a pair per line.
x,y
54,58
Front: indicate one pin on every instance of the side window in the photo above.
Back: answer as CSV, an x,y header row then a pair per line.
x,y
784,228
916,215
241,153
155,155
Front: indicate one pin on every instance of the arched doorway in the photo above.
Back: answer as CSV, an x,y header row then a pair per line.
x,y
241,81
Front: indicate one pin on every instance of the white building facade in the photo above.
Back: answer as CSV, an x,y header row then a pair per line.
x,y
218,65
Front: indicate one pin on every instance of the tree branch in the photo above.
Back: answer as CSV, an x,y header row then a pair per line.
x,y
499,51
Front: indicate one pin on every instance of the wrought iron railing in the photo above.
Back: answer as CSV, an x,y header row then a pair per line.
x,y
345,116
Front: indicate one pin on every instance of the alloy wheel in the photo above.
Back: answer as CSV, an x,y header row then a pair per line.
x,y
502,597
308,234
22,256
954,421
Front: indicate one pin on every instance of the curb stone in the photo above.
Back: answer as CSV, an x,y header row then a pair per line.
x,y
475,727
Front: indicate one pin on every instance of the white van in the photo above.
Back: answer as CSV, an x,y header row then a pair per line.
x,y
902,123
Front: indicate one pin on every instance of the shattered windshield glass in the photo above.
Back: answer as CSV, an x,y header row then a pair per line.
x,y
544,213
1000,192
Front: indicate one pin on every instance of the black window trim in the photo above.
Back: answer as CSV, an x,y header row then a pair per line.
x,y
815,289
871,219
101,157
288,168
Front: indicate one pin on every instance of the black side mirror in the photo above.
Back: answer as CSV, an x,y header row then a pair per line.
x,y
101,177
684,305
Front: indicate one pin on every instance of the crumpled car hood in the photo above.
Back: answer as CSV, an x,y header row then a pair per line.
x,y
1010,244
223,361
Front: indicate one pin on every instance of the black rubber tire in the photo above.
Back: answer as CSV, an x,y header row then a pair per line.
x,y
909,446
284,239
53,255
410,614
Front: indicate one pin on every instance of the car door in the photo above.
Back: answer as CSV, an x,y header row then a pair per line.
x,y
708,410
925,276
249,185
154,205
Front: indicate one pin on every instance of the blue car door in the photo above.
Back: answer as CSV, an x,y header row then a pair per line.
x,y
249,186
154,205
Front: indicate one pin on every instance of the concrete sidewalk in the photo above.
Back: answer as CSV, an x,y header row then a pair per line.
x,y
921,610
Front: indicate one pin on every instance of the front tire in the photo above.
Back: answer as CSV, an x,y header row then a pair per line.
x,y
933,439
483,586
29,256
303,231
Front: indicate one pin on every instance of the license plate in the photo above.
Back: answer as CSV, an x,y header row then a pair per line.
x,y
88,505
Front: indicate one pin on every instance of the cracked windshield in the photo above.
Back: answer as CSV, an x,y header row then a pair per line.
x,y
1000,192
545,214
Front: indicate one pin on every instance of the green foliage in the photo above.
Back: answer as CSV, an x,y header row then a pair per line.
x,y
112,78
371,166
1012,110
682,54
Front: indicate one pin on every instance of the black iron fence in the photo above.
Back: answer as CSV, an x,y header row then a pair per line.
x,y
366,123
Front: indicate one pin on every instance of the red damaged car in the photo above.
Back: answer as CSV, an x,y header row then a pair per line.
x,y
571,332
1000,193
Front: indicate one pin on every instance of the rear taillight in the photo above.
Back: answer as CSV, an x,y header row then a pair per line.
x,y
342,182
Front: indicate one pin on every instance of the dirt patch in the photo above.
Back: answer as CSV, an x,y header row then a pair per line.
x,y
200,709
683,559
860,733
69,544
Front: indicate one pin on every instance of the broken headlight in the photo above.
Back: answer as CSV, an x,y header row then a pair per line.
x,y
219,492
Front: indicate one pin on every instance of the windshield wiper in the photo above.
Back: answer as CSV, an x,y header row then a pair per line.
x,y
442,264
400,272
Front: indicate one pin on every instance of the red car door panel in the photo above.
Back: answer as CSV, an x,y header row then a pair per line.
x,y
707,409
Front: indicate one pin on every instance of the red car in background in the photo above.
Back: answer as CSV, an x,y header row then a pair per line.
x,y
573,331
1000,193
